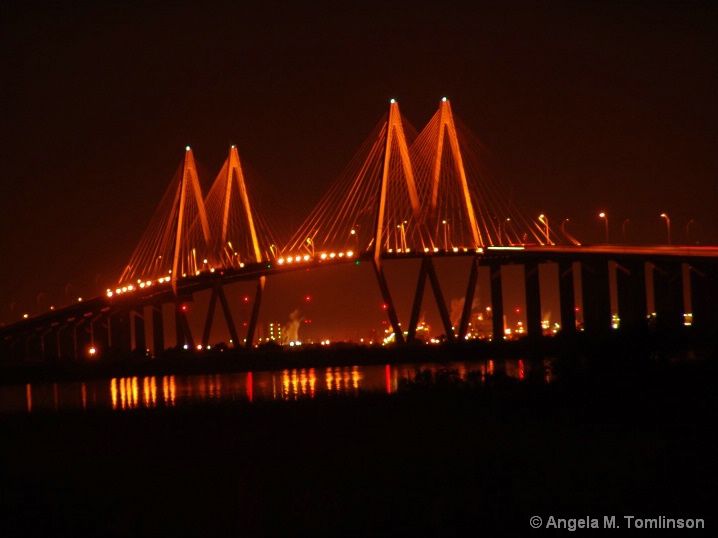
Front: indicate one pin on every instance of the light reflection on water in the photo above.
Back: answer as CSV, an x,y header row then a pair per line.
x,y
150,392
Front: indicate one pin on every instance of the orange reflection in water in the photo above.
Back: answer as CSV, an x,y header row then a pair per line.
x,y
124,393
169,390
296,383
133,392
149,391
343,379
113,392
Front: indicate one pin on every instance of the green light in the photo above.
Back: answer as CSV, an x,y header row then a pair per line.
x,y
356,262
269,266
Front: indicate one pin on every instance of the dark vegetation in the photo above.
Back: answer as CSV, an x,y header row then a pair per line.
x,y
620,431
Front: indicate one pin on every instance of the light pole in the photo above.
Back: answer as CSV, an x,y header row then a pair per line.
x,y
668,226
623,228
603,215
403,235
563,224
543,218
446,234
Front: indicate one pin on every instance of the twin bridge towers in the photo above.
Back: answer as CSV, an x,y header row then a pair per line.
x,y
405,194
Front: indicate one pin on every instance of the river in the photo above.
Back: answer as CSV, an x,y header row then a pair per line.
x,y
127,393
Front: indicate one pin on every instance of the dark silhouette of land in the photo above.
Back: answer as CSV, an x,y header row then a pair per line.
x,y
621,430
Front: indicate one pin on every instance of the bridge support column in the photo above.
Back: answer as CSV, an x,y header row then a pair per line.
x,y
632,298
158,329
255,312
218,292
99,333
138,327
567,297
596,293
80,338
469,298
48,343
497,303
120,332
704,295
440,303
65,339
533,299
668,294
427,269
418,297
182,328
33,344
391,311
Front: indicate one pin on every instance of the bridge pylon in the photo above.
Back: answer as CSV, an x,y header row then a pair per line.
x,y
235,240
394,138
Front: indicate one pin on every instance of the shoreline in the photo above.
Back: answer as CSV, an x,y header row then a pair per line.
x,y
623,349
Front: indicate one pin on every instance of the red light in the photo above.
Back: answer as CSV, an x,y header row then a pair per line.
x,y
184,308
385,306
308,298
246,299
518,310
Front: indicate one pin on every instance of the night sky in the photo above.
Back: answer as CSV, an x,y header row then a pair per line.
x,y
588,106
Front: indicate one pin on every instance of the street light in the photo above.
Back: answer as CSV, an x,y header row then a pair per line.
x,y
563,229
543,218
403,235
668,226
508,239
605,218
446,234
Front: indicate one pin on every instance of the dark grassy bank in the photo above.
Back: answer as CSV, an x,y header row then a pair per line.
x,y
443,457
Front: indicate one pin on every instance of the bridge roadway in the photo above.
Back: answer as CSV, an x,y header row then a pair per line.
x,y
104,322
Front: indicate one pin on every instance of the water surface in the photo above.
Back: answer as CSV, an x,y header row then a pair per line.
x,y
126,393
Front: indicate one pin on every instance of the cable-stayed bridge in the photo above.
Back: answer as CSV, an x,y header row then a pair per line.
x,y
405,194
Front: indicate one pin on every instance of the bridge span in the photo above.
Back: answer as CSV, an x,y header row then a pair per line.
x,y
680,281
404,195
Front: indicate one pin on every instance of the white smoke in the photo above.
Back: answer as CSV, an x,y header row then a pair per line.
x,y
291,329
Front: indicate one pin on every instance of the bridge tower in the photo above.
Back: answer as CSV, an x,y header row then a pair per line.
x,y
184,255
447,130
173,246
233,222
394,137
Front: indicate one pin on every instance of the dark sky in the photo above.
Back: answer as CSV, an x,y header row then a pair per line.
x,y
588,106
